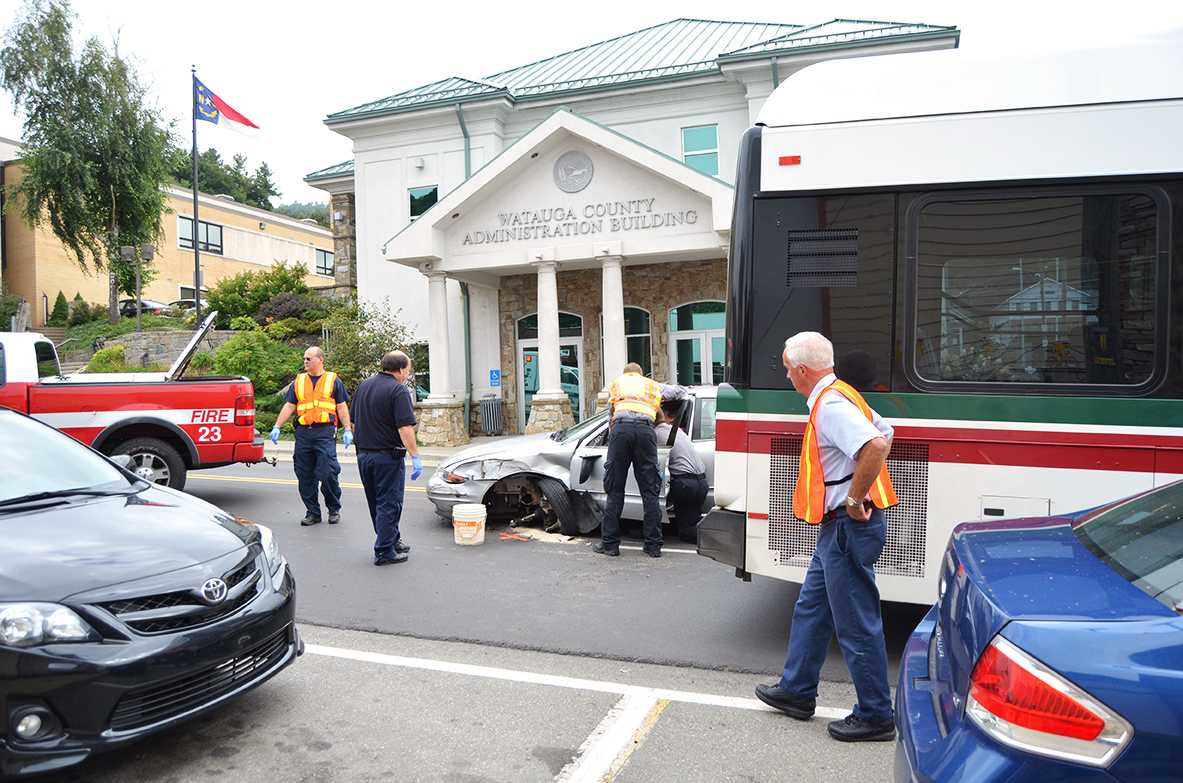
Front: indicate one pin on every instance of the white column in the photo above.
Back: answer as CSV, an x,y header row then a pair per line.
x,y
615,347
548,331
437,303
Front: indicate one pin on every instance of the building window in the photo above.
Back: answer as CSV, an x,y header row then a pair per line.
x,y
186,292
636,337
700,148
422,199
1067,288
696,341
324,262
209,235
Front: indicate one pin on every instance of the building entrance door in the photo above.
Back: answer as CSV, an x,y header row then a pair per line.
x,y
570,374
697,357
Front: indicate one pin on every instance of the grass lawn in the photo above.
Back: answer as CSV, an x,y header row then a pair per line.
x,y
84,334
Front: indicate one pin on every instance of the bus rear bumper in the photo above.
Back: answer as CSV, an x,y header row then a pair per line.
x,y
721,536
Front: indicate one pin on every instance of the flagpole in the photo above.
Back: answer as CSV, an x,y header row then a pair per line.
x,y
196,244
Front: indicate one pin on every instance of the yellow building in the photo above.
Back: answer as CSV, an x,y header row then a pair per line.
x,y
234,238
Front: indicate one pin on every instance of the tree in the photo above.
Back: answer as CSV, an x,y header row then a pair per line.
x,y
357,336
216,176
301,210
95,153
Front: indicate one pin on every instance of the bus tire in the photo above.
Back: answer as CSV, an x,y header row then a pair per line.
x,y
155,461
556,496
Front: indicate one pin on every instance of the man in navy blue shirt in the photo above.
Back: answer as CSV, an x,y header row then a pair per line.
x,y
319,400
385,414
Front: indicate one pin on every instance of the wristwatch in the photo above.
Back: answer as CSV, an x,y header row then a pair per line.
x,y
852,503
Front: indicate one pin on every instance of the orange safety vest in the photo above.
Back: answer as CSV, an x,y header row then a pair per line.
x,y
809,496
634,392
315,403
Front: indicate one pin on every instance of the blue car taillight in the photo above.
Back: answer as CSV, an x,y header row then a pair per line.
x,y
1020,702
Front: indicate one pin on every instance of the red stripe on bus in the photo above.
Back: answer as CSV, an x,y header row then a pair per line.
x,y
756,515
737,432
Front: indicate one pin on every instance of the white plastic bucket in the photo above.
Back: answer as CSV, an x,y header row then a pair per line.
x,y
468,523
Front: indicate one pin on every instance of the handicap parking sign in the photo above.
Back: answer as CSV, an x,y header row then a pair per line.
x,y
494,378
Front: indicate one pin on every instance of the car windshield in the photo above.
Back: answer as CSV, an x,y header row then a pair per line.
x,y
50,461
577,431
1142,540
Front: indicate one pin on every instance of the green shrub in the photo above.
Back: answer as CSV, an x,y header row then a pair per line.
x,y
8,306
268,363
267,407
358,336
245,294
60,316
83,313
244,323
282,330
281,306
112,359
202,362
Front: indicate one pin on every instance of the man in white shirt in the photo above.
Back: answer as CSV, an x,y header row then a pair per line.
x,y
688,473
846,498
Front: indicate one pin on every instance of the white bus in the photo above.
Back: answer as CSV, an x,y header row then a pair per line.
x,y
995,247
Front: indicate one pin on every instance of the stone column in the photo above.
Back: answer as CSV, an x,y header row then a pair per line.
x,y
441,416
550,409
344,245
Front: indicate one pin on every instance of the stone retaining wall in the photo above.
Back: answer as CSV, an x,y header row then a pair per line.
x,y
164,346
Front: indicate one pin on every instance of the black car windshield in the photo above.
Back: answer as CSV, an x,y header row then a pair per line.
x,y
577,431
1142,539
41,459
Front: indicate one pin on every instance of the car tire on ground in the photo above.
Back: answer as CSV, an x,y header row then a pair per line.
x,y
154,460
571,522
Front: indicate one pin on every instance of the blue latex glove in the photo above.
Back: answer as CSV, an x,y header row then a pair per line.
x,y
348,438
275,435
416,467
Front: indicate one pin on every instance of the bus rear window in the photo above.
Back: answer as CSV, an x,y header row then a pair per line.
x,y
1059,289
1143,541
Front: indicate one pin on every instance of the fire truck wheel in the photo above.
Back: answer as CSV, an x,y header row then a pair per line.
x,y
155,461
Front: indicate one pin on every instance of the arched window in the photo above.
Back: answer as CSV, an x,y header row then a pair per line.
x,y
570,325
697,316
637,338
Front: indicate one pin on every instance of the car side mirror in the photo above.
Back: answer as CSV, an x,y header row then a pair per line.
x,y
585,469
122,460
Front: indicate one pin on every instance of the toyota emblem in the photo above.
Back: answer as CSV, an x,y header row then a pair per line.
x,y
213,591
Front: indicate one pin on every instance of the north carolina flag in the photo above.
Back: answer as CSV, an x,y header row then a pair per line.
x,y
211,108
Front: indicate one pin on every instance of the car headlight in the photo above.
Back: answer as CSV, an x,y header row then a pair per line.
x,y
270,548
28,624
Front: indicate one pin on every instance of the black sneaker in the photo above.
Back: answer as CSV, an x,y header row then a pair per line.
x,y
310,520
788,703
398,557
600,549
334,517
402,547
653,552
854,729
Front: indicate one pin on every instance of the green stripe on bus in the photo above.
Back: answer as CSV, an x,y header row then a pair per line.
x,y
975,407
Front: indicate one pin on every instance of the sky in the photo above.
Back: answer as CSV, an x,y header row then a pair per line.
x,y
286,65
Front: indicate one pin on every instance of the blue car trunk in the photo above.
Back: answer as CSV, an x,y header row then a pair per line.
x,y
1036,584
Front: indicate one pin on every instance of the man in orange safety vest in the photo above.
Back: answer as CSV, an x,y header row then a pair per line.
x,y
843,487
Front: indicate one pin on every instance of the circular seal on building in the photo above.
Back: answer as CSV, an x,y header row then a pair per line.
x,y
573,171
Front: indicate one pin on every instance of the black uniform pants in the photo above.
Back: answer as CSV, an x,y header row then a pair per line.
x,y
631,442
687,493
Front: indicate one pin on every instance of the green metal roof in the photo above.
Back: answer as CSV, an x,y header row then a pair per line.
x,y
836,32
342,169
677,49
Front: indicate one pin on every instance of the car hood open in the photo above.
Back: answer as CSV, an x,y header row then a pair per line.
x,y
89,543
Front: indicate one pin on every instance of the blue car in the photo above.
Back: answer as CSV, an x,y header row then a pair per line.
x,y
1054,652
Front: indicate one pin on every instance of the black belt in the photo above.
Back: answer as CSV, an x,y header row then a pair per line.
x,y
838,481
397,451
689,475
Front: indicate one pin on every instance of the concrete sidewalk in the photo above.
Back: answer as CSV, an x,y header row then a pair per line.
x,y
432,455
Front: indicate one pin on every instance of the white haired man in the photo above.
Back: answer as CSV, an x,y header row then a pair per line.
x,y
843,487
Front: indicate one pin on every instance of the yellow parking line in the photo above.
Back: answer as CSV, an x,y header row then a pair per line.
x,y
287,482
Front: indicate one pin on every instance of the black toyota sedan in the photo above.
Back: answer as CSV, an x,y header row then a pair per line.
x,y
125,607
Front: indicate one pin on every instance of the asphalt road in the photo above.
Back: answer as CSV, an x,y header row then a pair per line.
x,y
553,596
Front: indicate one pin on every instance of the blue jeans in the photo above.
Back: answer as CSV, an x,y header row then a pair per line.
x,y
315,462
839,595
382,477
631,442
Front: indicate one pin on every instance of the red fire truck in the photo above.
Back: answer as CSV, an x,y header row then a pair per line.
x,y
168,424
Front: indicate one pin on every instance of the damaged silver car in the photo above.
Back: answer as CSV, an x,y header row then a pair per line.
x,y
556,480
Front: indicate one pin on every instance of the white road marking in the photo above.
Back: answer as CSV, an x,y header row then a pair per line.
x,y
607,749
557,681
663,550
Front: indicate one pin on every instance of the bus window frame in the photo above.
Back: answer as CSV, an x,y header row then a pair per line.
x,y
911,228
